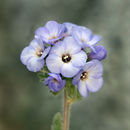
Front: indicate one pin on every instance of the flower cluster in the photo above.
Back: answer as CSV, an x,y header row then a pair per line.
x,y
68,51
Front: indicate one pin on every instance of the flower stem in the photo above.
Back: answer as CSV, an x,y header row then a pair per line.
x,y
66,111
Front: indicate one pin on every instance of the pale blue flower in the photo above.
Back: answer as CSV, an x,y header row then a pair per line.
x,y
55,82
66,57
69,27
89,79
99,54
51,32
85,37
33,55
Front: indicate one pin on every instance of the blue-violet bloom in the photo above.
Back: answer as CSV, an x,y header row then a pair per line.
x,y
69,27
51,32
99,54
85,37
66,57
55,82
33,55
89,79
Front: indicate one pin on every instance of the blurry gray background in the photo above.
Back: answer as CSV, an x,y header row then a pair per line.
x,y
25,104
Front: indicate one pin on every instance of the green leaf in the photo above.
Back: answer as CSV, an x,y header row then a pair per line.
x,y
57,122
42,76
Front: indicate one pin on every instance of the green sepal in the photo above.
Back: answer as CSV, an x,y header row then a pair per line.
x,y
72,91
43,74
57,122
55,93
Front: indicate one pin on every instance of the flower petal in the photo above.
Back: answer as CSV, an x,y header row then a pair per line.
x,y
54,63
95,40
37,44
100,53
62,29
82,35
58,49
69,27
94,68
42,33
79,59
47,80
56,76
72,46
86,34
68,70
26,54
53,27
82,87
93,84
45,52
77,78
34,65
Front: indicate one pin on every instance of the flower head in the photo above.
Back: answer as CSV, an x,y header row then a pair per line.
x,y
85,37
54,82
89,79
32,56
66,57
99,54
51,32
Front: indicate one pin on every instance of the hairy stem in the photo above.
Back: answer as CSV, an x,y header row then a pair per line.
x,y
66,111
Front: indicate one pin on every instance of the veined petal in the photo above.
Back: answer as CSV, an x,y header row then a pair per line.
x,y
26,54
34,65
86,34
68,70
69,27
79,59
42,33
58,49
94,68
56,76
82,35
71,45
47,80
99,54
54,63
37,44
82,87
95,40
93,84
53,27
62,29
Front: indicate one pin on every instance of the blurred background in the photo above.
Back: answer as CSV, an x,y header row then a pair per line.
x,y
25,104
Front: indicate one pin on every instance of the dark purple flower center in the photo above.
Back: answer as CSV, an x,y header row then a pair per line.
x,y
66,58
84,75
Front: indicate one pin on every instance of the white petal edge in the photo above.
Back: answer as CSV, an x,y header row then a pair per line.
x,y
68,70
82,87
93,84
26,54
34,65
